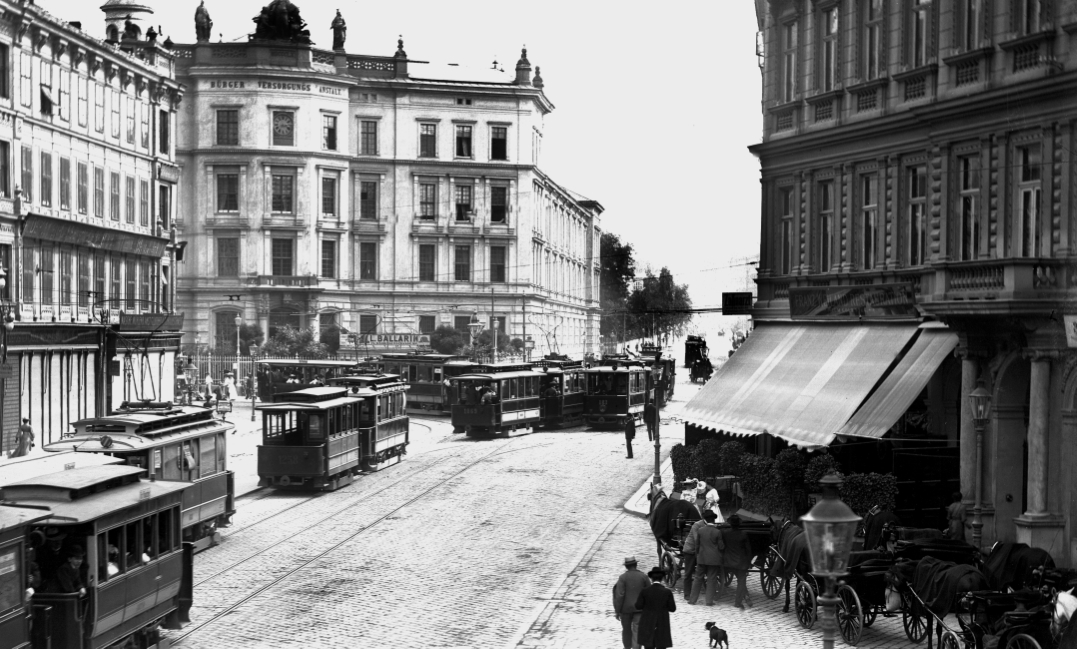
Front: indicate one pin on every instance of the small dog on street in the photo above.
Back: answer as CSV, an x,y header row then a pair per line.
x,y
718,636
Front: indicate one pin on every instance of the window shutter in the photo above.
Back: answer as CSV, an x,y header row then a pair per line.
x,y
1015,12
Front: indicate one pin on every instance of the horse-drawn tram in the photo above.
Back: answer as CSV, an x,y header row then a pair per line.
x,y
497,398
107,568
426,374
182,444
322,437
563,391
617,389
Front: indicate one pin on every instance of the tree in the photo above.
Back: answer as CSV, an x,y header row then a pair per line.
x,y
330,337
249,334
618,267
289,341
659,306
448,340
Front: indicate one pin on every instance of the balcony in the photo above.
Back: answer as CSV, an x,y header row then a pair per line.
x,y
283,281
422,225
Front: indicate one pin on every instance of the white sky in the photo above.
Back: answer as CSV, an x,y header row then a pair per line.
x,y
654,108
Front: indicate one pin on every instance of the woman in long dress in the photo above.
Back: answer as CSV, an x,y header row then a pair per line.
x,y
24,440
710,500
229,387
955,517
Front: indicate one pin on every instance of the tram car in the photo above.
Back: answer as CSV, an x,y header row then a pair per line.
x,y
322,437
695,348
173,443
92,557
563,391
616,389
497,398
280,375
666,379
426,374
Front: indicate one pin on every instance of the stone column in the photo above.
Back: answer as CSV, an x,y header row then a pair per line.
x,y
1038,399
970,371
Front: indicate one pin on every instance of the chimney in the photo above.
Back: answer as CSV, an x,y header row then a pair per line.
x,y
523,70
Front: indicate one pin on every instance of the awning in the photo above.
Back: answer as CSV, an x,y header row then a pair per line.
x,y
901,387
101,237
798,381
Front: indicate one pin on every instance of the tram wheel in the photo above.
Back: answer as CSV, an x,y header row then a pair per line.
x,y
772,585
805,605
1018,641
914,619
850,615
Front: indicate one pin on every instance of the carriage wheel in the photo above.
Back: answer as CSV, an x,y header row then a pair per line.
x,y
672,571
805,605
772,586
951,640
913,618
869,616
850,615
1022,641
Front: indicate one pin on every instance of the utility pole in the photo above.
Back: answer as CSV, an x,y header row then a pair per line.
x,y
657,422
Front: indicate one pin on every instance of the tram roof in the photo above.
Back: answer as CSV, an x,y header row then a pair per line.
x,y
94,441
24,468
621,368
307,362
422,356
75,496
12,516
374,380
280,406
495,376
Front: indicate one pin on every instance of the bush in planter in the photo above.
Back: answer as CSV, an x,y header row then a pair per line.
x,y
862,491
729,457
789,467
762,493
683,459
819,466
708,459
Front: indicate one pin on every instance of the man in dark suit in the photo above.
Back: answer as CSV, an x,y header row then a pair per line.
x,y
650,414
656,603
625,593
737,557
630,433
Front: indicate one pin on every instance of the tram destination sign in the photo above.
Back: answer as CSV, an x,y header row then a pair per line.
x,y
851,302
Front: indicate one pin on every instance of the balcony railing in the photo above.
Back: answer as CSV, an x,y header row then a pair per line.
x,y
288,281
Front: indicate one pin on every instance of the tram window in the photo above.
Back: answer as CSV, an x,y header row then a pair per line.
x,y
103,559
208,460
149,533
413,373
400,404
437,374
315,427
189,458
132,549
166,538
365,412
172,465
11,578
506,389
222,452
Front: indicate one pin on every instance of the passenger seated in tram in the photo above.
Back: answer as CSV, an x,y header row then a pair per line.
x,y
552,391
292,378
68,577
112,566
488,396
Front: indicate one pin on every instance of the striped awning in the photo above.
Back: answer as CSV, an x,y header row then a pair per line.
x,y
799,381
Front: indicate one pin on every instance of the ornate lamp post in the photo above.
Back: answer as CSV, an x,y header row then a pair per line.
x,y
980,404
253,349
475,326
495,323
830,527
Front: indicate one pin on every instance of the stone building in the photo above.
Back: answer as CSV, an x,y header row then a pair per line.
x,y
86,179
380,195
918,171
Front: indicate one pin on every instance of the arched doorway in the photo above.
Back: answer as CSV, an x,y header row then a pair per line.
x,y
1005,469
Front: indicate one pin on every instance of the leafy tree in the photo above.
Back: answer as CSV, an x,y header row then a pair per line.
x,y
618,267
330,337
249,334
289,341
660,305
448,340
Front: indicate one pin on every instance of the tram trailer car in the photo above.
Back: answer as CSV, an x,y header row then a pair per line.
x,y
181,444
136,572
566,407
426,373
515,404
384,423
615,390
320,438
695,348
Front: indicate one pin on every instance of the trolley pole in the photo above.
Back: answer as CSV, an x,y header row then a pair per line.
x,y
657,423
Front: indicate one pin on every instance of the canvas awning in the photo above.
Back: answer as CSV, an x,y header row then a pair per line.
x,y
101,237
901,387
799,381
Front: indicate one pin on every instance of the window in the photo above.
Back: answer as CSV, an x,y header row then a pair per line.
x,y
920,32
462,266
48,295
499,143
225,330
497,264
64,106
368,260
129,203
5,169
164,205
144,203
428,140
329,196
228,127
873,34
228,191
99,192
427,324
145,128
27,174
130,121
368,137
26,86
5,87
227,256
84,279
65,183
368,324
283,193
114,113
1027,16
1028,197
29,272
917,184
826,222
969,17
84,98
66,276
463,202
869,218
164,128
786,200
329,258
499,203
282,256
463,141
130,276
283,128
428,198
99,277
99,108
83,197
114,196
46,88
969,189
368,200
501,322
329,132
427,256
46,179
461,322
789,61
829,75
116,280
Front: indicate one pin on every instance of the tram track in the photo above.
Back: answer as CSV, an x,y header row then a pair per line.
x,y
218,615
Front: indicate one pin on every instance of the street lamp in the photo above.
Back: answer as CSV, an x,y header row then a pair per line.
x,y
980,404
253,349
7,311
495,323
830,527
475,326
239,323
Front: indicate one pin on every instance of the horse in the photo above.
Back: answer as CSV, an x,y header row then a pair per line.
x,y
791,545
1065,605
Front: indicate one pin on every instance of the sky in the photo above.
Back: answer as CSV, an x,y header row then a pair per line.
x,y
654,109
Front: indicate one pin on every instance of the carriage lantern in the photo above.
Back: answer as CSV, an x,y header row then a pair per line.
x,y
830,527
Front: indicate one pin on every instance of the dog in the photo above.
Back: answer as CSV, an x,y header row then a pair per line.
x,y
718,636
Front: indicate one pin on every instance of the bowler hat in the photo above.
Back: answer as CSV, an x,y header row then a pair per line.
x,y
630,561
709,516
656,573
54,534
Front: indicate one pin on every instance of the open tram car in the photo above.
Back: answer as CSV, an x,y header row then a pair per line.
x,y
322,437
136,572
515,390
182,444
426,374
616,389
565,408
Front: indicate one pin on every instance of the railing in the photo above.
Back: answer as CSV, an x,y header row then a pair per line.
x,y
976,278
283,280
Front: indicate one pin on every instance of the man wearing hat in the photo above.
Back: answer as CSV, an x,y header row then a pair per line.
x,y
625,592
708,559
630,433
69,575
737,557
655,603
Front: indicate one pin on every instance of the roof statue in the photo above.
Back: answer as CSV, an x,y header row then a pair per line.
x,y
131,31
203,24
537,81
280,21
340,31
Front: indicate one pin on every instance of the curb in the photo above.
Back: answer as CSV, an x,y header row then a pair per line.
x,y
632,505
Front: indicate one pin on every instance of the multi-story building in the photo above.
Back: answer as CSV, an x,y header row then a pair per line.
x,y
917,168
380,195
86,176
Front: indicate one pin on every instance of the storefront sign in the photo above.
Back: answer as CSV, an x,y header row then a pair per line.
x,y
1071,329
394,340
848,302
737,303
237,84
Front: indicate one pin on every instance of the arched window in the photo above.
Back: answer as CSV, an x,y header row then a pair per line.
x,y
225,331
112,33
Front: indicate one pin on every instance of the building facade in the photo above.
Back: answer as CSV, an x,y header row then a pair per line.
x,y
86,176
925,148
382,196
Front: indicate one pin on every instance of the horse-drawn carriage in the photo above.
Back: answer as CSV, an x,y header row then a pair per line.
x,y
701,370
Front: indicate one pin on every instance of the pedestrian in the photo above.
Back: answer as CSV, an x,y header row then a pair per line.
x,y
688,551
655,603
209,385
650,414
708,560
955,516
229,386
24,440
625,593
630,434
737,557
